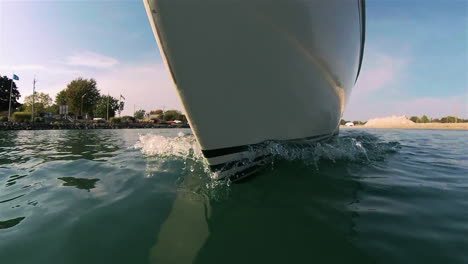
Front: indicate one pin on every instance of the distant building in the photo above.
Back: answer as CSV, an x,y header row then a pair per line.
x,y
349,124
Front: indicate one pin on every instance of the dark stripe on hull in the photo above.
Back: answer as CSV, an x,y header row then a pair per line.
x,y
244,173
212,153
256,163
237,163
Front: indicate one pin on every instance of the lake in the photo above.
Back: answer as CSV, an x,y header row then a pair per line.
x,y
146,196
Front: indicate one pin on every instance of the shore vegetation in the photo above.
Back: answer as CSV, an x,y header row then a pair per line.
x,y
446,119
5,86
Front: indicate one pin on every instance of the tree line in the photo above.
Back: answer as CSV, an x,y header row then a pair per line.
x,y
81,95
160,115
343,122
446,119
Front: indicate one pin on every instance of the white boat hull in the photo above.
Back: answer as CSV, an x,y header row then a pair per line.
x,y
249,71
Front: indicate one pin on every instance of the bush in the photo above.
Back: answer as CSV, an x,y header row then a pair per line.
x,y
22,116
415,119
99,121
171,115
450,119
128,119
56,123
115,120
425,119
38,119
3,118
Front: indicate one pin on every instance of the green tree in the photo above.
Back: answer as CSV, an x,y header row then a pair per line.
x,y
415,119
183,118
54,109
449,119
80,92
140,114
60,98
41,102
171,115
103,102
5,85
342,122
425,119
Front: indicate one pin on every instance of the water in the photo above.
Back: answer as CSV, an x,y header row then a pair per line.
x,y
145,196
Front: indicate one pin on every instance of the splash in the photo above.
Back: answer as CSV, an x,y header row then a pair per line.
x,y
352,148
161,149
363,148
182,146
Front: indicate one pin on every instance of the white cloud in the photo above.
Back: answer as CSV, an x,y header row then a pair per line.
x,y
144,85
38,68
91,59
379,71
381,79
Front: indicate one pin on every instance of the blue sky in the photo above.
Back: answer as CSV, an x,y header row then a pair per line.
x,y
416,57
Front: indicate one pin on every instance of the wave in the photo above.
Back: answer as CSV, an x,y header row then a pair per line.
x,y
356,148
360,147
182,146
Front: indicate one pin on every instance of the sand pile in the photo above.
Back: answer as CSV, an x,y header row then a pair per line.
x,y
390,121
402,122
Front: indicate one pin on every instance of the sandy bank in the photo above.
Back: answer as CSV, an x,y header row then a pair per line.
x,y
450,126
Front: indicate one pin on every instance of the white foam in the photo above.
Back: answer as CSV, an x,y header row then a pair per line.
x,y
182,146
354,148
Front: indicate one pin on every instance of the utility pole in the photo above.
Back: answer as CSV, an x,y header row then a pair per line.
x,y
33,96
107,106
81,112
9,105
120,100
119,104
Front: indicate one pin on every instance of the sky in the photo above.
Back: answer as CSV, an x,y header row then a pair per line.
x,y
415,61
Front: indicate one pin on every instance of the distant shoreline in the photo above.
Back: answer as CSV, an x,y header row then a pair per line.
x,y
441,126
83,126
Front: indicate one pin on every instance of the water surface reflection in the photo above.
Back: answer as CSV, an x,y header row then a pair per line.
x,y
18,147
79,183
11,222
287,215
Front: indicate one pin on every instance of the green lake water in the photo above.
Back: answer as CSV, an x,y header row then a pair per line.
x,y
145,196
